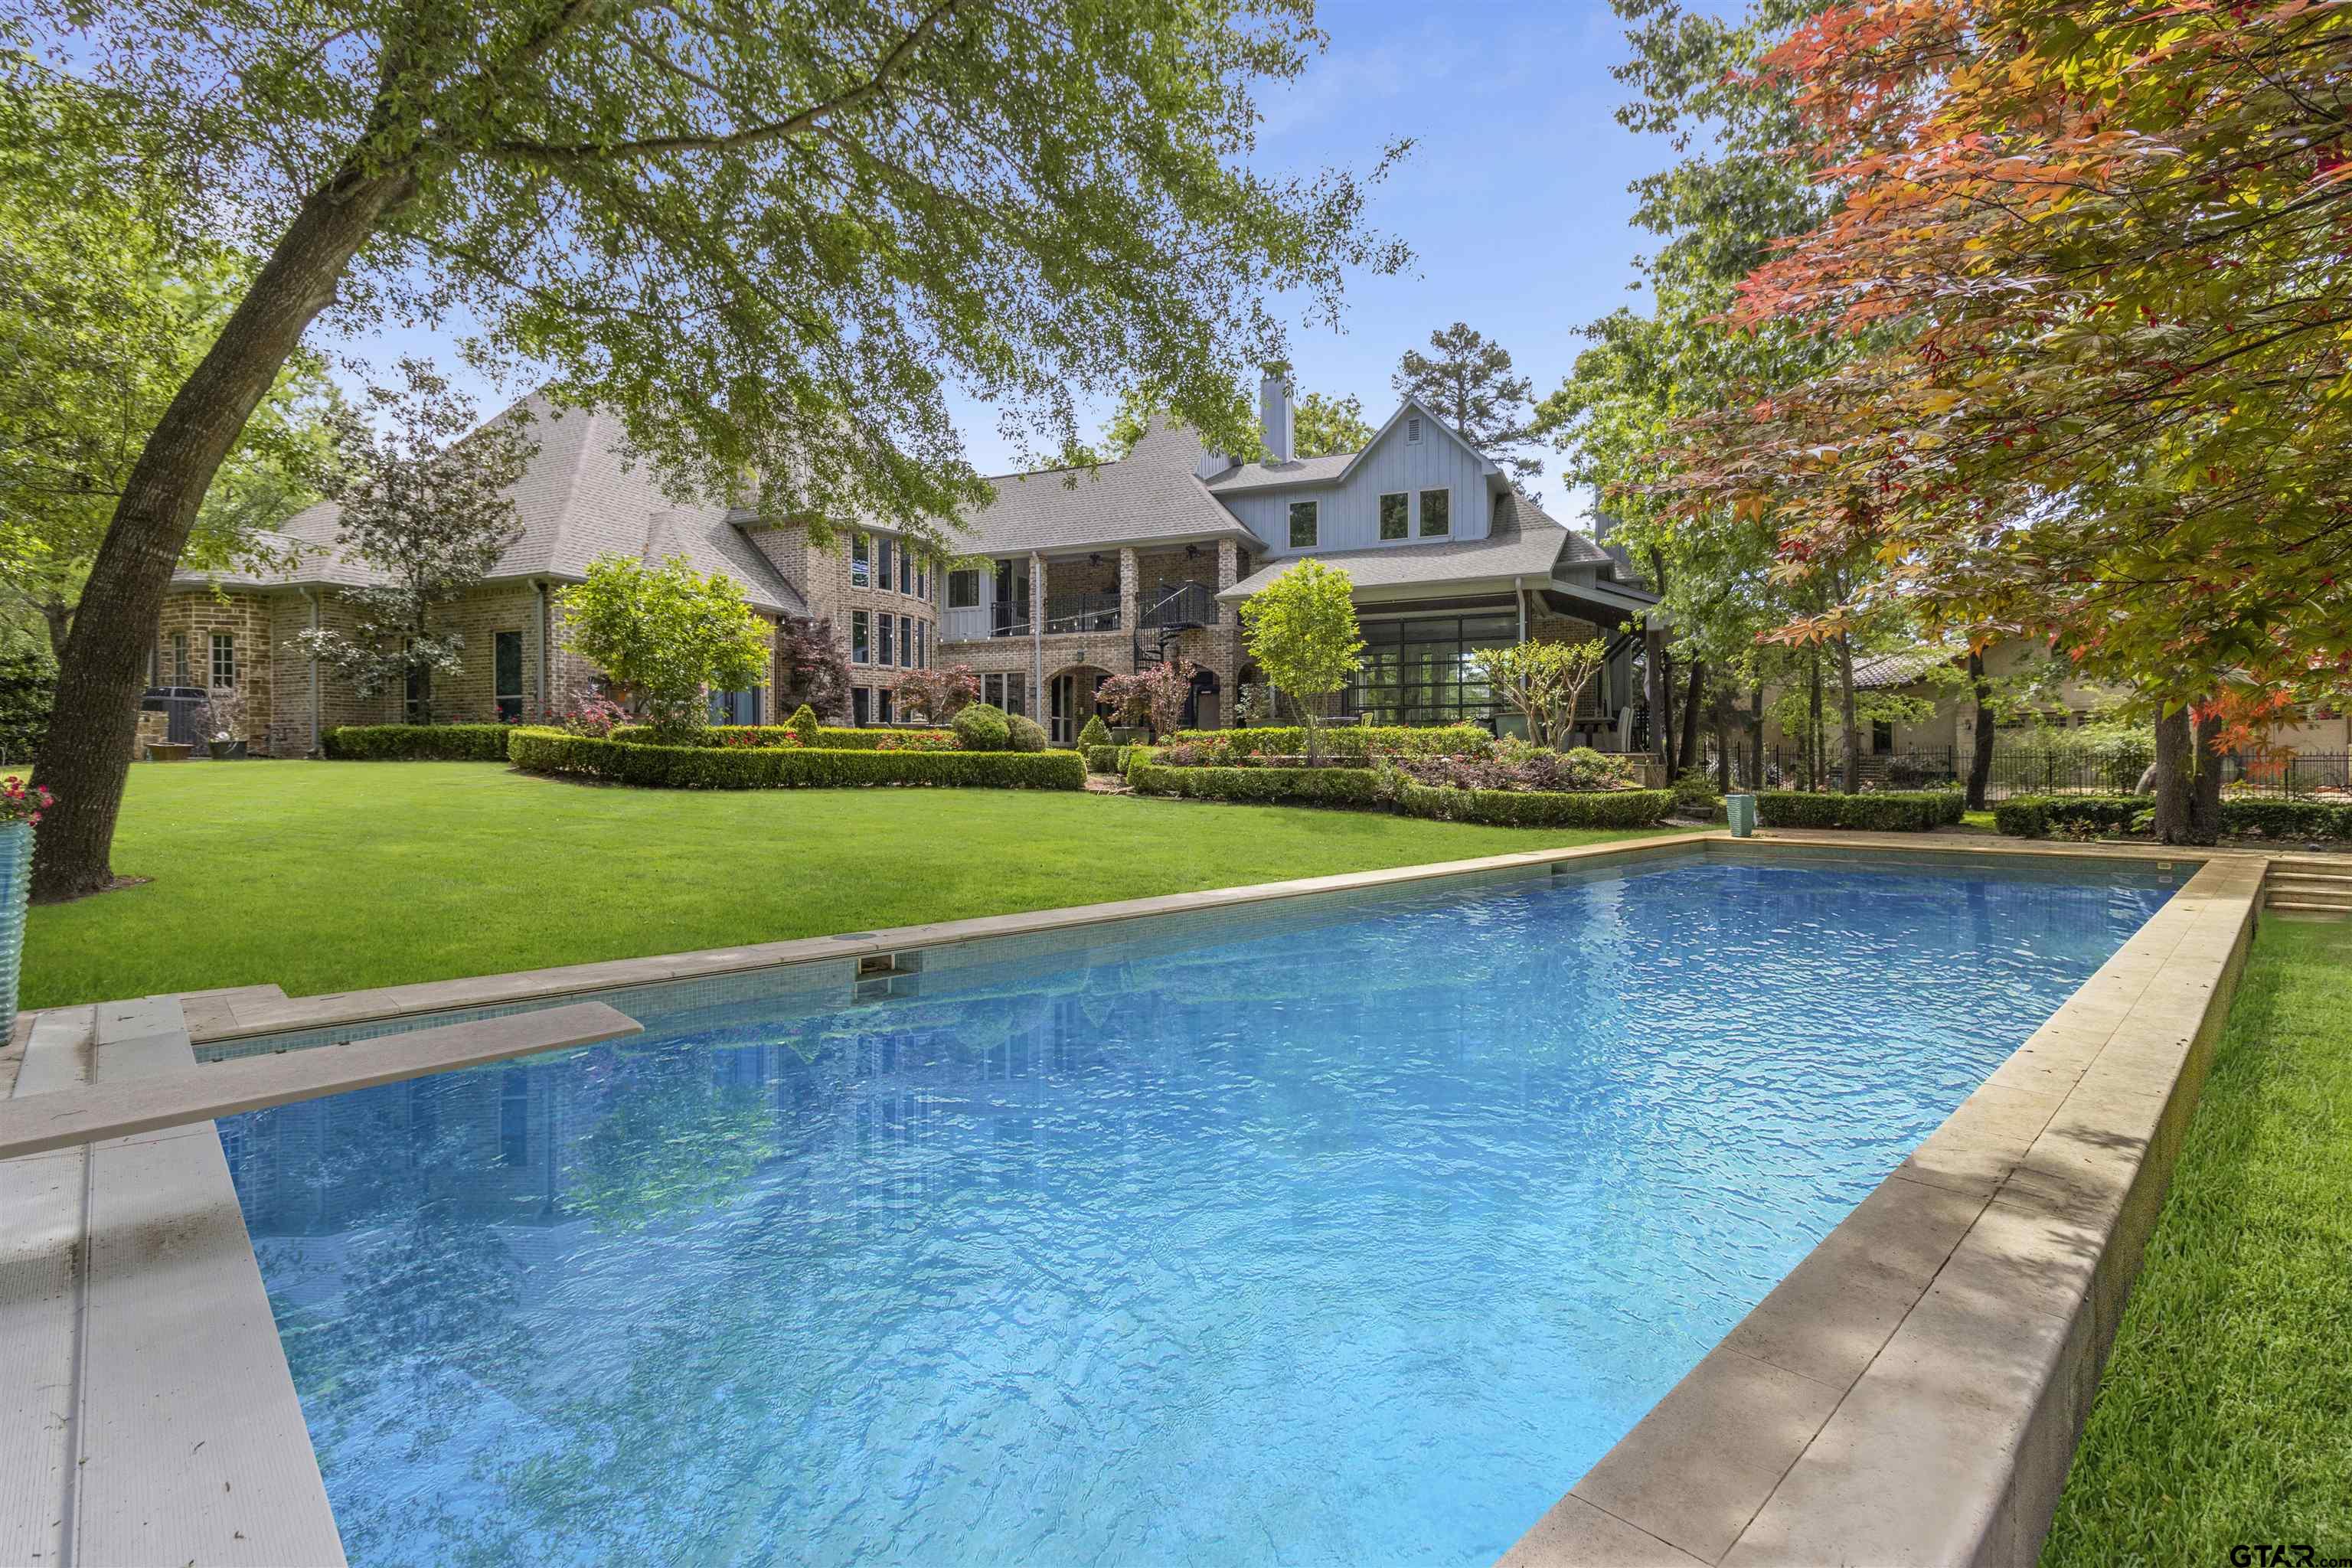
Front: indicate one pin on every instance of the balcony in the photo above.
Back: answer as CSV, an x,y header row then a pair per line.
x,y
1180,604
1064,613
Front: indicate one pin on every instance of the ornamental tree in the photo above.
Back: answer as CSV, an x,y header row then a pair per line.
x,y
772,238
666,637
938,694
1153,697
1544,680
431,509
1301,630
811,672
2093,262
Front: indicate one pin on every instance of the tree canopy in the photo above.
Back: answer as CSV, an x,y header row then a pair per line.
x,y
2089,267
1467,380
666,637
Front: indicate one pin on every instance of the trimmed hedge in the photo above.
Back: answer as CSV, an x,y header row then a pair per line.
x,y
417,743
1347,741
1105,758
1884,811
1322,787
776,736
715,767
1536,808
2035,815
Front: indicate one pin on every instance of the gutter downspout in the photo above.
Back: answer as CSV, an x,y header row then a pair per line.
x,y
312,595
1519,597
546,633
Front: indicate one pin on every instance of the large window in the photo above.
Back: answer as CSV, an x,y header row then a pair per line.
x,y
507,666
1418,671
922,647
224,659
1302,524
882,564
179,658
882,653
964,590
859,649
906,642
905,570
1394,508
861,558
1002,691
882,696
923,584
1436,512
861,706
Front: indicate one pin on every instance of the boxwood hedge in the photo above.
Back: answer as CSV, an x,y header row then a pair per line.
x,y
1884,811
1323,786
2035,815
1105,758
1347,741
749,736
417,743
1536,808
715,767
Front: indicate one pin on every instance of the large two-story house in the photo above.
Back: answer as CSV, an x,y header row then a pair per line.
x,y
1088,573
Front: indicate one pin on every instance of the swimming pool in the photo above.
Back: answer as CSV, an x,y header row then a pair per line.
x,y
1323,1234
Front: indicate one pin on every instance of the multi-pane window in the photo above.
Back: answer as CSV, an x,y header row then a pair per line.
x,y
882,652
905,570
1436,512
882,564
882,704
922,645
1002,691
1418,671
923,584
224,659
964,590
1302,523
506,662
858,650
861,703
861,565
1394,522
906,642
179,658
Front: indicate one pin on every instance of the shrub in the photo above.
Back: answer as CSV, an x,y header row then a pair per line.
x,y
982,727
803,724
1105,758
1883,811
1324,786
1694,789
1094,732
28,686
1533,808
2038,815
753,737
417,743
786,767
1516,765
1023,733
1357,743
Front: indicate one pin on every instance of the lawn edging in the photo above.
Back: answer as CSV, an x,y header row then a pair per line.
x,y
557,753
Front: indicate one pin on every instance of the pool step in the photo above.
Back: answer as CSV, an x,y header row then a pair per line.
x,y
2312,885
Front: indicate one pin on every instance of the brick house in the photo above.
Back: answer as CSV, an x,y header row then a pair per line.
x,y
1087,573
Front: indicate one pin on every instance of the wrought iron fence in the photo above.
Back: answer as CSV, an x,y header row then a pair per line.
x,y
2042,769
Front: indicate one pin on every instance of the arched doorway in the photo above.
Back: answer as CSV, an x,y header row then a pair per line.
x,y
1070,701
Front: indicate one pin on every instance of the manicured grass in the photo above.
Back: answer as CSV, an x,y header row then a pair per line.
x,y
339,875
2225,1416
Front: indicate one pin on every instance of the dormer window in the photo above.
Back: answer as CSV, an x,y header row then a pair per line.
x,y
1412,428
1302,524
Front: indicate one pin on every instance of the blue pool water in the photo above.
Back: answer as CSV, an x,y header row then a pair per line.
x,y
1330,1235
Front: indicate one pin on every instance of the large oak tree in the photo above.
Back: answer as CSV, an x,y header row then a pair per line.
x,y
767,234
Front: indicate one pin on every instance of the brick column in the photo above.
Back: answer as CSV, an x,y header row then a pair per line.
x,y
1036,636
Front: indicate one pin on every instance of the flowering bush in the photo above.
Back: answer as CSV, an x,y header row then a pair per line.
x,y
596,716
918,741
751,738
22,803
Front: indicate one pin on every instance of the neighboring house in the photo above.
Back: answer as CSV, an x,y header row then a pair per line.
x,y
1090,572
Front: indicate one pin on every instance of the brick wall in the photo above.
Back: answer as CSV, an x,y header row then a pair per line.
x,y
824,578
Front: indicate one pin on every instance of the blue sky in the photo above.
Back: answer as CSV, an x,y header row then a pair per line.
x,y
1514,197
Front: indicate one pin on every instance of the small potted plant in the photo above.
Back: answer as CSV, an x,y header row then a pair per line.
x,y
21,806
222,721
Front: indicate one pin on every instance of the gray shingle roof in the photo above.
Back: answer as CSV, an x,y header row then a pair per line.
x,y
1902,669
1522,543
577,500
1263,475
1150,495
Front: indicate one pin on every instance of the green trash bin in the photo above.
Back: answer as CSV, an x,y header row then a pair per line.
x,y
1741,811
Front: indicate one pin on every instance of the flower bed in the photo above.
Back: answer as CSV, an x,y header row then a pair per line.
x,y
416,743
758,737
1883,811
726,766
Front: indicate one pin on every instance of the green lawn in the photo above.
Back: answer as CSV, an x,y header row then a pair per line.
x,y
2225,1416
335,876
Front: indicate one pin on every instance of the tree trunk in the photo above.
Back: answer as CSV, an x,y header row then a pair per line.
x,y
1815,751
2187,783
1847,722
1689,758
1980,754
87,752
1755,736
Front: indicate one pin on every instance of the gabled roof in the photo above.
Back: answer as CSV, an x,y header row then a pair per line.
x,y
1523,541
579,497
1334,469
1906,667
1151,496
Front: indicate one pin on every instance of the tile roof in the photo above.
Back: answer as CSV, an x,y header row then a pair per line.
x,y
1522,541
578,499
1152,494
